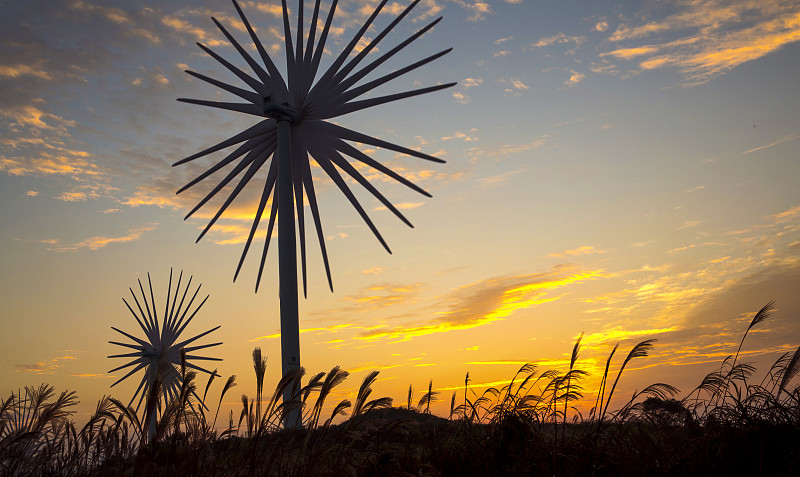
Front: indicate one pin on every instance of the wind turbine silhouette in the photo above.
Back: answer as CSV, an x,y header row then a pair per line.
x,y
160,346
295,128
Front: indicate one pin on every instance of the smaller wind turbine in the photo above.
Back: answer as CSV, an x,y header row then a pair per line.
x,y
160,343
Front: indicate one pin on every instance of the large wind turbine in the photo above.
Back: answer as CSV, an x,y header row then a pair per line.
x,y
294,127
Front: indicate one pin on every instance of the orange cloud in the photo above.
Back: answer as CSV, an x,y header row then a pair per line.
x,y
15,71
628,53
373,367
582,250
94,243
33,116
787,215
788,137
617,334
44,367
488,301
723,36
323,329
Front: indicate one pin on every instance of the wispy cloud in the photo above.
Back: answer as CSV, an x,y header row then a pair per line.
x,y
487,301
498,179
688,224
464,85
788,137
477,9
619,334
582,250
98,242
401,206
92,375
504,150
321,329
575,77
559,39
706,39
787,215
48,366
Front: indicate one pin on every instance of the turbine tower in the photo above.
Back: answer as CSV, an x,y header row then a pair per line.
x,y
295,125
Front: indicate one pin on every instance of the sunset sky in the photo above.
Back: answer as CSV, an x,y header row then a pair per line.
x,y
626,170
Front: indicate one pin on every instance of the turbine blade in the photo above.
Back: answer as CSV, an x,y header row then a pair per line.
x,y
312,202
141,325
199,347
261,128
323,82
251,82
140,362
246,108
350,135
195,338
272,215
179,325
330,169
193,366
287,35
368,103
259,71
259,158
340,97
180,305
297,184
153,325
340,161
126,345
372,44
192,316
269,185
153,302
125,355
360,156
298,56
249,158
277,83
242,93
249,145
149,332
166,302
322,39
174,300
141,383
202,358
355,78
312,31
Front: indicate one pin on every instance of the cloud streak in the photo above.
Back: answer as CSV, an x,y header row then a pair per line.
x,y
98,242
709,38
788,137
488,301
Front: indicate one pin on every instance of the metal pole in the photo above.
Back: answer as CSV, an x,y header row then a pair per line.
x,y
152,372
287,264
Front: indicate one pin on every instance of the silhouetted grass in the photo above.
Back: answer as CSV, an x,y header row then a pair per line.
x,y
729,424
